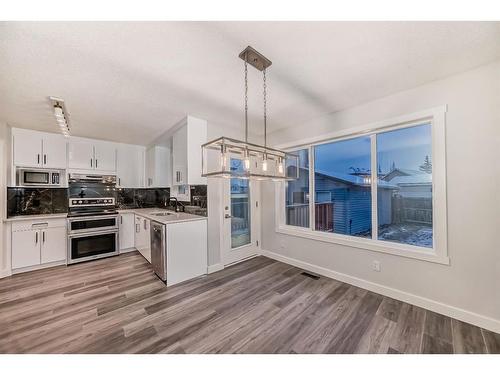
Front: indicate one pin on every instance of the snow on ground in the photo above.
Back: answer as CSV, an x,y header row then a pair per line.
x,y
411,234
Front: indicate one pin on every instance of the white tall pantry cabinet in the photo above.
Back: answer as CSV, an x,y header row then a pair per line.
x,y
186,152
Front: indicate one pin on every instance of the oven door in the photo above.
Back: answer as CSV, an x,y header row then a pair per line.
x,y
94,245
92,224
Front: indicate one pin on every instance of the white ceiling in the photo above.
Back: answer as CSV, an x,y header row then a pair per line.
x,y
131,81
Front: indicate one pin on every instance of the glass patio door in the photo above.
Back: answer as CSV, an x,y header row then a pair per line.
x,y
240,217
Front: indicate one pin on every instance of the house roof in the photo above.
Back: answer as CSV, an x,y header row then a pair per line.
x,y
419,179
354,180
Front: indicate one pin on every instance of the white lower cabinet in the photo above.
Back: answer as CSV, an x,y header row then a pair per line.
x,y
37,243
127,231
53,245
143,237
25,249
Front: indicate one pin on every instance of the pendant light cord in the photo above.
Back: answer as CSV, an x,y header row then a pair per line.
x,y
246,100
265,109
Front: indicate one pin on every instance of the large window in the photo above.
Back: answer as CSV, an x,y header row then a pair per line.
x,y
383,190
404,186
342,169
297,193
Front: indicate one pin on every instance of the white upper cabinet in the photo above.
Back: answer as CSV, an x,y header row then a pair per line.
x,y
130,166
186,152
180,157
105,156
38,149
92,155
54,151
81,154
158,166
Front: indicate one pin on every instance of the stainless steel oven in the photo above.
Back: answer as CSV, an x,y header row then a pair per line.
x,y
39,177
92,217
92,237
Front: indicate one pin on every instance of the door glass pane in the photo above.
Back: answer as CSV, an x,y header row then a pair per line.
x,y
342,182
404,159
297,192
240,207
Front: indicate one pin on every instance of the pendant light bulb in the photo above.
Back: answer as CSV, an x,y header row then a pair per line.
x,y
223,158
280,166
264,163
246,162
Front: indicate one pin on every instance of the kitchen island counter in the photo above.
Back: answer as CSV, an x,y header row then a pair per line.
x,y
171,217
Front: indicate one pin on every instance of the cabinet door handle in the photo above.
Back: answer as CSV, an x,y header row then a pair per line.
x,y
137,228
145,225
45,159
119,181
38,158
36,237
90,162
96,163
43,236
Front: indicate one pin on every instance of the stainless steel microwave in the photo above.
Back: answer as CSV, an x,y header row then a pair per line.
x,y
39,177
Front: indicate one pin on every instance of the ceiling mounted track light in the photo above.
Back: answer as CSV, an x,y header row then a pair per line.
x,y
227,157
61,114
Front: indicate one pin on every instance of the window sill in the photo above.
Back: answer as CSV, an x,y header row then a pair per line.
x,y
403,250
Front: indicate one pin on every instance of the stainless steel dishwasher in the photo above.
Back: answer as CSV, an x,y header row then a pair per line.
x,y
159,249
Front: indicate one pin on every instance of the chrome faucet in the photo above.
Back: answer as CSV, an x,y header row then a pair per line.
x,y
177,203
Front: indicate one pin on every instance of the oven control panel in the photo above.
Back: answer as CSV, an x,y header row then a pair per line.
x,y
89,202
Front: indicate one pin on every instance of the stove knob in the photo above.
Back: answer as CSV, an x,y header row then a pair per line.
x,y
74,202
80,202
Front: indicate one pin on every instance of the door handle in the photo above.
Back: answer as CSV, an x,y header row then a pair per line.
x,y
227,216
43,236
96,163
145,224
45,159
36,237
38,158
121,219
90,162
119,181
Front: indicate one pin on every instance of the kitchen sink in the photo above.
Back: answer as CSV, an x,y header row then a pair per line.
x,y
163,213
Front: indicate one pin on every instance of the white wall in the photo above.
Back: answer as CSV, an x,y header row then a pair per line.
x,y
472,281
3,197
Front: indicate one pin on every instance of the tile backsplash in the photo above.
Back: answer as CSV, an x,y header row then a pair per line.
x,y
142,198
36,201
42,201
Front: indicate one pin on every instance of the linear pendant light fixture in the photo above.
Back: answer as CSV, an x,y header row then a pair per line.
x,y
61,114
231,158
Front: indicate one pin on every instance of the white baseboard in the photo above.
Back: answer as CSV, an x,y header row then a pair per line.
x,y
438,307
215,267
5,273
129,250
39,267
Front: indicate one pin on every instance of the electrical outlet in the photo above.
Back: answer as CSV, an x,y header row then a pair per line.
x,y
376,266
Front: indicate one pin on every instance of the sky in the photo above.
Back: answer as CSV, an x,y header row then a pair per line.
x,y
406,147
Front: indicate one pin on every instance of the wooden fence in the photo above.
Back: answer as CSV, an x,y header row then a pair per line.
x,y
411,210
298,215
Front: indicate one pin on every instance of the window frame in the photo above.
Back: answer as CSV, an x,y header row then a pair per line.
x,y
436,117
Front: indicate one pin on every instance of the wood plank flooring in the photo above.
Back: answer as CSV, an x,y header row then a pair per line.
x,y
117,305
